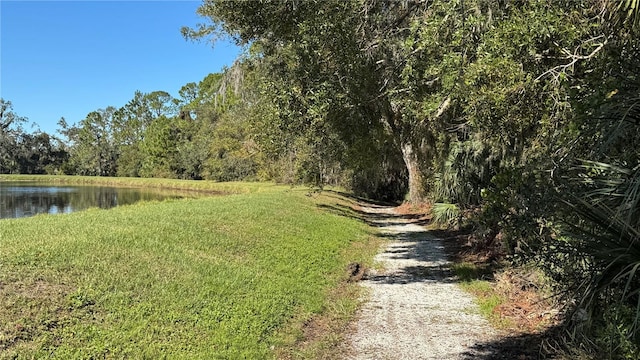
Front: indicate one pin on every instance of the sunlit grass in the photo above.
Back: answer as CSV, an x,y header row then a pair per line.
x,y
203,185
488,300
214,277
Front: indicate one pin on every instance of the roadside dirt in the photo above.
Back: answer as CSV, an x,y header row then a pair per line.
x,y
414,308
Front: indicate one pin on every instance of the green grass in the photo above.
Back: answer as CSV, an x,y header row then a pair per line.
x,y
486,299
471,278
211,278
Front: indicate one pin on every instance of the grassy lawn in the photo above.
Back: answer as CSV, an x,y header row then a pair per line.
x,y
222,277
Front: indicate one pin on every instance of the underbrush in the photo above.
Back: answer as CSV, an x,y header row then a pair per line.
x,y
519,301
538,318
515,300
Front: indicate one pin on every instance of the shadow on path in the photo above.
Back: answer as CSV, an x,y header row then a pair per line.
x,y
374,219
518,347
422,258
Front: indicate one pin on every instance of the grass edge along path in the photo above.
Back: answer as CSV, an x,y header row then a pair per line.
x,y
218,277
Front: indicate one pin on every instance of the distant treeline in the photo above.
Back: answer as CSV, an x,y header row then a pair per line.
x,y
519,118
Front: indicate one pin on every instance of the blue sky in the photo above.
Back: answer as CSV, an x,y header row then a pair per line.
x,y
68,58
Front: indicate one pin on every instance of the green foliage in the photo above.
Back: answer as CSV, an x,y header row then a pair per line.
x,y
623,14
602,271
159,149
24,153
319,64
444,213
488,105
613,334
234,154
94,151
129,160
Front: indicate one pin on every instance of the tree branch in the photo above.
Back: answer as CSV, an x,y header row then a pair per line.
x,y
443,107
574,57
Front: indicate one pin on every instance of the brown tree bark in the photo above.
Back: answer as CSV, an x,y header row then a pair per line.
x,y
416,185
392,120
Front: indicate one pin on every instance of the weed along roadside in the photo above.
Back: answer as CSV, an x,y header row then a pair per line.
x,y
242,276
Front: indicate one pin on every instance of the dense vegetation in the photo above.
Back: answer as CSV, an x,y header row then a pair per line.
x,y
519,118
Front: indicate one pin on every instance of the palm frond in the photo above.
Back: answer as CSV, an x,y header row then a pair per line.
x,y
623,13
615,187
444,213
612,247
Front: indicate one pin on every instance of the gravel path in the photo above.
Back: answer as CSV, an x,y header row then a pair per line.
x,y
415,310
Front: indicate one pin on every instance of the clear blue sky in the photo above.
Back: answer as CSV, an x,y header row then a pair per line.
x,y
68,58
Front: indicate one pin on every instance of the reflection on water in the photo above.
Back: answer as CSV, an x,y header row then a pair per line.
x,y
22,199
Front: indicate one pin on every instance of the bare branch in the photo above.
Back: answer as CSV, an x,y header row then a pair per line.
x,y
574,57
443,107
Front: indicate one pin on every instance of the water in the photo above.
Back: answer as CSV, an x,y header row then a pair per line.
x,y
24,199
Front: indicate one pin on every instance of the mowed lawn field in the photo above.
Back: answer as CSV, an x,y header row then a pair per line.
x,y
218,277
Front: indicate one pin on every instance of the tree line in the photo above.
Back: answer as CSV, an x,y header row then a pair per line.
x,y
23,152
517,118
152,135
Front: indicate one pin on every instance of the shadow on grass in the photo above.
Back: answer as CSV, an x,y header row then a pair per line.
x,y
342,210
362,200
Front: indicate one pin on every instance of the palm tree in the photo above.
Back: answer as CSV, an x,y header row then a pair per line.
x,y
623,13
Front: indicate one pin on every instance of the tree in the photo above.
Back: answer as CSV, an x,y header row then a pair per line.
x,y
94,152
8,119
326,65
10,130
160,103
130,124
39,153
25,153
159,149
524,112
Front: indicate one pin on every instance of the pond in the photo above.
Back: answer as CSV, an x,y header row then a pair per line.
x,y
24,199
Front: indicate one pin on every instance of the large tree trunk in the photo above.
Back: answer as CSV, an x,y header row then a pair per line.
x,y
392,121
416,186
